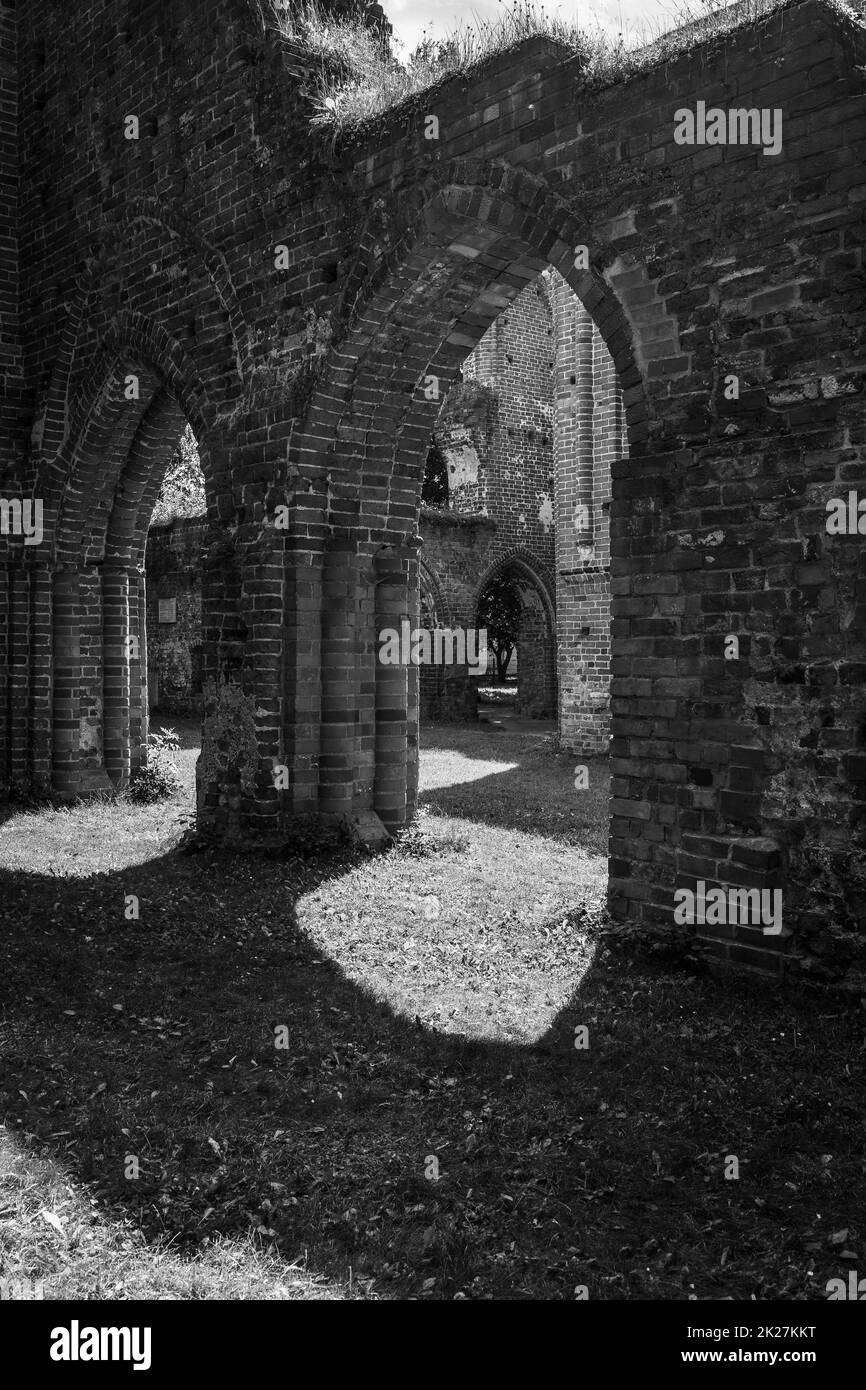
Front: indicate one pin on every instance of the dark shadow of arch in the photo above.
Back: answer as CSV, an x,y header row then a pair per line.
x,y
345,1119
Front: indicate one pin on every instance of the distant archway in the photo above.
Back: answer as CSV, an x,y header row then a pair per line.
x,y
535,635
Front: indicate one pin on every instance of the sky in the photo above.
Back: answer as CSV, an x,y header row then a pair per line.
x,y
410,17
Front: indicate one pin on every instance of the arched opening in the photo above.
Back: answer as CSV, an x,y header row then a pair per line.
x,y
481,248
516,609
174,554
116,467
520,459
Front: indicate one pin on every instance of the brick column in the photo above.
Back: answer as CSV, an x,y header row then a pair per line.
x,y
536,698
41,582
584,402
264,615
413,684
4,675
367,648
587,440
138,712
302,645
66,728
116,673
391,789
337,758
18,679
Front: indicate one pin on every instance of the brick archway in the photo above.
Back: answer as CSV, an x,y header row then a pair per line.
x,y
98,470
434,605
485,234
471,250
536,642
315,369
114,469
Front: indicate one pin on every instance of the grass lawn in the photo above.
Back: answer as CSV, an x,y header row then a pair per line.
x,y
356,1077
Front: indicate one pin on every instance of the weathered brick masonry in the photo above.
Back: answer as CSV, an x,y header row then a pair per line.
x,y
155,258
537,418
589,442
455,551
502,433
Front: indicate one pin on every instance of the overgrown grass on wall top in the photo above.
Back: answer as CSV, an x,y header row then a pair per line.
x,y
357,80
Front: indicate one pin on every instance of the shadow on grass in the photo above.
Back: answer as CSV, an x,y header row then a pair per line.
x,y
557,1166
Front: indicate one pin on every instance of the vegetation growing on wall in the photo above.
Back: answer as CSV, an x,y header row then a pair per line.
x,y
358,80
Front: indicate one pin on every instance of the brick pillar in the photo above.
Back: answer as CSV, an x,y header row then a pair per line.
x,y
302,647
116,673
583,412
413,684
536,697
19,674
587,441
367,649
138,712
262,610
229,771
337,758
66,730
391,789
4,675
41,582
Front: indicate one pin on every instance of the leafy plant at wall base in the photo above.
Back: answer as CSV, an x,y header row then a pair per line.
x,y
158,779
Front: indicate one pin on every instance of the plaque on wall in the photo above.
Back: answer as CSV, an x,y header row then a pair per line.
x,y
168,610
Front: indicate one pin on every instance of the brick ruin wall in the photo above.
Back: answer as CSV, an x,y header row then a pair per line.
x,y
303,380
495,432
513,437
509,435
456,548
589,438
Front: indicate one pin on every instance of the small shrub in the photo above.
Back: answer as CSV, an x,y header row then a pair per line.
x,y
159,779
